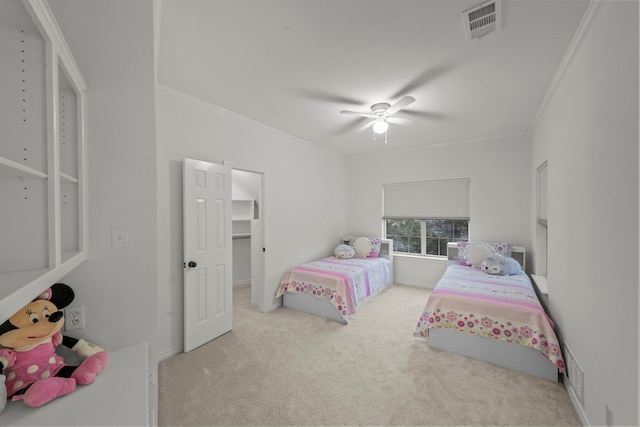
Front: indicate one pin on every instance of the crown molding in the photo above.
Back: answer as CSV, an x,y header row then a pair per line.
x,y
583,29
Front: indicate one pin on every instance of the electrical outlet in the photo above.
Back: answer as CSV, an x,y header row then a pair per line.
x,y
74,318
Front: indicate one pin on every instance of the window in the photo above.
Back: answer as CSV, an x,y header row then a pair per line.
x,y
542,184
425,236
422,217
542,187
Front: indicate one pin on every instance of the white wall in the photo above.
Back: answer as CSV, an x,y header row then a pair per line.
x,y
117,287
589,134
304,206
499,193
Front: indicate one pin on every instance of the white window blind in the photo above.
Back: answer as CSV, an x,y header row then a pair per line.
x,y
542,193
445,199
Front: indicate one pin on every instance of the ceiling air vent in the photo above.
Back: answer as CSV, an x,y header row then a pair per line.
x,y
483,19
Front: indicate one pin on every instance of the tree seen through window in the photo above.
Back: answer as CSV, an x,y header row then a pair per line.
x,y
412,235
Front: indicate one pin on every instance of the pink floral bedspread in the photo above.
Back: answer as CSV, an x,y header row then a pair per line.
x,y
344,282
501,307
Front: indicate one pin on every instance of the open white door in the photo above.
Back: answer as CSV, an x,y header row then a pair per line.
x,y
208,285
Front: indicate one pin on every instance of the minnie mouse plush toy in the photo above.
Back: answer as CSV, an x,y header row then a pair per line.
x,y
33,371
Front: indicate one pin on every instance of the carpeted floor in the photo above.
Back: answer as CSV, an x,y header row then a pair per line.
x,y
290,368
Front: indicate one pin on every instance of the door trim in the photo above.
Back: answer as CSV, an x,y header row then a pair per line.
x,y
262,298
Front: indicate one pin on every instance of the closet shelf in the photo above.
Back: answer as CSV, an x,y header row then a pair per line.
x,y
241,236
11,168
242,210
68,178
19,287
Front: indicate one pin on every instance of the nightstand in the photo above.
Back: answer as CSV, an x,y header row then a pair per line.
x,y
543,286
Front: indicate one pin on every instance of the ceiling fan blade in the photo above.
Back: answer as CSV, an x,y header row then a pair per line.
x,y
323,96
367,126
355,113
400,121
349,127
422,79
404,101
423,114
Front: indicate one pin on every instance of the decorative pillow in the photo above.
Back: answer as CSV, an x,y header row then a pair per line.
x,y
462,252
478,252
344,251
503,249
375,247
362,246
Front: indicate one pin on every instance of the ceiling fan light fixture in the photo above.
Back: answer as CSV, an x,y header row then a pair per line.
x,y
380,126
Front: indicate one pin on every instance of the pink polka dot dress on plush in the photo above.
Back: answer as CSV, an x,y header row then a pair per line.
x,y
27,367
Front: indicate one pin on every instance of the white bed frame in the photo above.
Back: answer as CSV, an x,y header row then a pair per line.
x,y
323,307
501,353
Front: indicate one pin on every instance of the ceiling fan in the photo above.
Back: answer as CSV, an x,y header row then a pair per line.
x,y
382,114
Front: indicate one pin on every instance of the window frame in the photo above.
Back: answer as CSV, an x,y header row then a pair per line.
x,y
424,238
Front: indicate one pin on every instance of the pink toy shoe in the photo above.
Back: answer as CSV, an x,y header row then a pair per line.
x,y
86,372
46,390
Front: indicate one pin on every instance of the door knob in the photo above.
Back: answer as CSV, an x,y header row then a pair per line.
x,y
193,264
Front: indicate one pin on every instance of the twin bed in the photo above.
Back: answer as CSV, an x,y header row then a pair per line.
x,y
493,318
334,287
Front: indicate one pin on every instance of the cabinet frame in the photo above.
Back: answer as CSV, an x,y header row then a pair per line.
x,y
20,287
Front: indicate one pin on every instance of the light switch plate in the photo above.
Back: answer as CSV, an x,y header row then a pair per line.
x,y
119,237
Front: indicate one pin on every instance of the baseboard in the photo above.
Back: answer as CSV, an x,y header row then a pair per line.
x,y
576,403
276,304
415,285
179,349
171,352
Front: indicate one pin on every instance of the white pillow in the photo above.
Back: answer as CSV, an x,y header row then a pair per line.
x,y
362,246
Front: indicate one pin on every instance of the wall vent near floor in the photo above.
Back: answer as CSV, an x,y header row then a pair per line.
x,y
575,374
483,19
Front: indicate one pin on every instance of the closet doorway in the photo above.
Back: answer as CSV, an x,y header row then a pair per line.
x,y
247,194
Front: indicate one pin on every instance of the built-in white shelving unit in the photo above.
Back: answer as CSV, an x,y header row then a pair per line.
x,y
242,214
242,210
43,209
42,176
